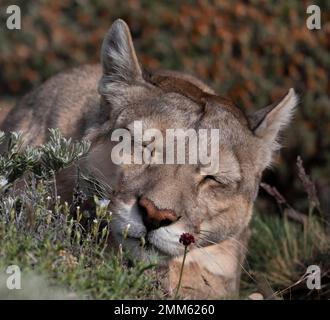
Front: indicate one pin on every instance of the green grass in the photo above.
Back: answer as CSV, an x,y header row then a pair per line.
x,y
64,253
50,243
280,252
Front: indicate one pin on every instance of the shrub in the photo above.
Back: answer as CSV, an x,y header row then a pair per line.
x,y
40,234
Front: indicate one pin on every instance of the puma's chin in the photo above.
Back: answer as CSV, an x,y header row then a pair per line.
x,y
161,244
163,241
166,240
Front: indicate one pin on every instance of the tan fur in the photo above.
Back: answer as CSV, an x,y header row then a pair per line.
x,y
91,102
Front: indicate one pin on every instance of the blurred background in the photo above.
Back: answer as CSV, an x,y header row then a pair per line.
x,y
252,51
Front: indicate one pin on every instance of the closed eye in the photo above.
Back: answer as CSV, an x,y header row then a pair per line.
x,y
221,182
215,179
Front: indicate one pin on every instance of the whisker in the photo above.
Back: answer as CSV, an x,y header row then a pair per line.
x,y
240,244
243,268
210,256
229,237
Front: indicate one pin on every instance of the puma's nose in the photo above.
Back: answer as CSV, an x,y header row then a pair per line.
x,y
155,218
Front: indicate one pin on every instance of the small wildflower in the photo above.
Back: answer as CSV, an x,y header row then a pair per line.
x,y
120,251
104,203
186,239
66,208
125,232
142,242
3,182
104,232
79,214
49,217
78,236
49,198
95,220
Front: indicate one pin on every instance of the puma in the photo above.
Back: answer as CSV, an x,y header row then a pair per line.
x,y
159,201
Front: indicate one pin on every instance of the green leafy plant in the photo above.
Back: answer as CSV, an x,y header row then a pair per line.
x,y
50,240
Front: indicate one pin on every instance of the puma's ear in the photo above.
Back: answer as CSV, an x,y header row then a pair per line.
x,y
118,57
267,122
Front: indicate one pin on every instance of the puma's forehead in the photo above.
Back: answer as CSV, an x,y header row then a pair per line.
x,y
180,100
194,89
159,76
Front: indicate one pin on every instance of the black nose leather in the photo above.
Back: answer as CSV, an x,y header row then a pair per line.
x,y
153,217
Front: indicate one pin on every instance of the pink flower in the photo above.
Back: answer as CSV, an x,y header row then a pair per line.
x,y
186,239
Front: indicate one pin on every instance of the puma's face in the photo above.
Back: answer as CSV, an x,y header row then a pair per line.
x,y
159,202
